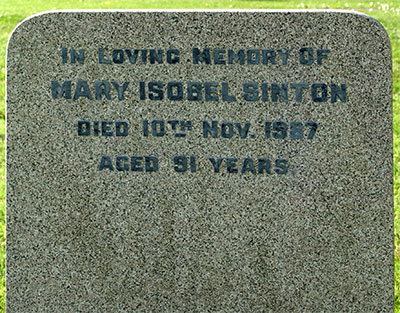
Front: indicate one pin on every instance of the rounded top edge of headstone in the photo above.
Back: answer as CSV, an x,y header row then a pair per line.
x,y
45,14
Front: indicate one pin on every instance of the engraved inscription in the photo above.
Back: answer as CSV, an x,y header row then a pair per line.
x,y
267,92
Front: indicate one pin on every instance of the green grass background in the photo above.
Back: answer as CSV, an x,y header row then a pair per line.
x,y
387,12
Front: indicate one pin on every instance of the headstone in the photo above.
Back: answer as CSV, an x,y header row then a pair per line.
x,y
199,162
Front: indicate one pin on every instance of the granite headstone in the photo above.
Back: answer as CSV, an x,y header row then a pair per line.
x,y
162,161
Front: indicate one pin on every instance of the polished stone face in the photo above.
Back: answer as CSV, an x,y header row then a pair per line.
x,y
199,162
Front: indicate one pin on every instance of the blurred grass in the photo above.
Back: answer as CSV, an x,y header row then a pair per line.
x,y
387,12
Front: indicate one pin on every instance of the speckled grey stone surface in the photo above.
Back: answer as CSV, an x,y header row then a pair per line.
x,y
314,237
